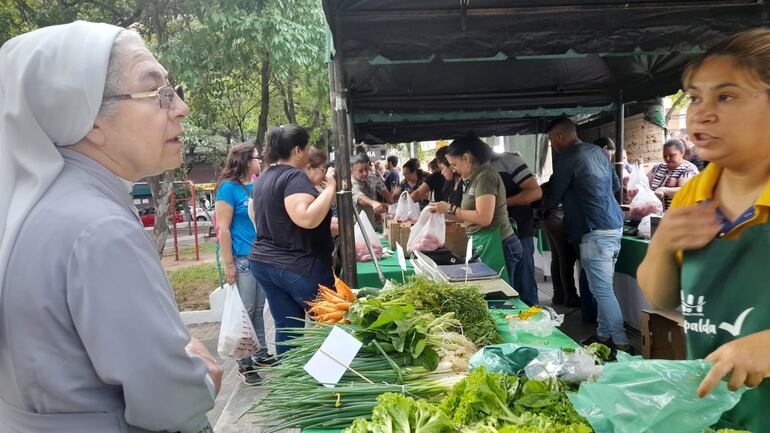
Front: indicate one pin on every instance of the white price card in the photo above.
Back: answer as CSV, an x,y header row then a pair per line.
x,y
333,358
401,258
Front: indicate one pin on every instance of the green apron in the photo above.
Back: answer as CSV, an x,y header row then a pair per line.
x,y
488,246
726,295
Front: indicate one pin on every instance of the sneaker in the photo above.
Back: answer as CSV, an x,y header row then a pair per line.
x,y
249,376
264,361
596,339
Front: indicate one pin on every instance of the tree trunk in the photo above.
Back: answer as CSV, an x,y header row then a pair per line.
x,y
161,187
674,106
287,94
265,109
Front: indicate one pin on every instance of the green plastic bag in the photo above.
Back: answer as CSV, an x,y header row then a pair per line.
x,y
652,396
507,358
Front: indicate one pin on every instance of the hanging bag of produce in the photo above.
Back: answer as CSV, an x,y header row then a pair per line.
x,y
407,210
362,252
237,337
652,396
636,179
645,203
429,233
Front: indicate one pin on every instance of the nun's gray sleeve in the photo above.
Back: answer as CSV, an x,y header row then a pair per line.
x,y
125,313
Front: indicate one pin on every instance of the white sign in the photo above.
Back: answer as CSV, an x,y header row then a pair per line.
x,y
333,358
401,258
469,251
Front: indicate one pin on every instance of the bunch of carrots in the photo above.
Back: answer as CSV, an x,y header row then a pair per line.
x,y
330,306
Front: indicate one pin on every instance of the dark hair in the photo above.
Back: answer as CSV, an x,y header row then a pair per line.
x,y
359,149
412,165
281,140
393,160
359,158
316,158
441,156
472,144
237,164
750,50
605,142
433,165
562,123
675,142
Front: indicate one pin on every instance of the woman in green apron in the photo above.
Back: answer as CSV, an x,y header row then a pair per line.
x,y
483,207
710,252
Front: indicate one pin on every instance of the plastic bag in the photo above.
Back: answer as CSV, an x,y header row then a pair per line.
x,y
652,396
574,367
237,337
362,252
636,179
645,203
407,209
429,233
645,228
508,358
540,324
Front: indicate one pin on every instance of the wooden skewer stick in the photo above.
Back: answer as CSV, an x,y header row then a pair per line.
x,y
346,366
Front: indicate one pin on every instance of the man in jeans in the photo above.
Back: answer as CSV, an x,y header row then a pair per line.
x,y
521,190
583,182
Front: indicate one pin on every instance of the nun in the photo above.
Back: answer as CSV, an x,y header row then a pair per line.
x,y
91,339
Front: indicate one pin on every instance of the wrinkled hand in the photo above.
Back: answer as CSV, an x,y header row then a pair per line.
x,y
746,359
686,228
381,208
231,273
439,207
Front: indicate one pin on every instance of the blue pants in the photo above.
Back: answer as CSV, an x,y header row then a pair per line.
x,y
253,298
524,278
512,253
599,251
287,292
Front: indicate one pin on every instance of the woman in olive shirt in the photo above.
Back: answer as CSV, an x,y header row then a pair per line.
x,y
483,206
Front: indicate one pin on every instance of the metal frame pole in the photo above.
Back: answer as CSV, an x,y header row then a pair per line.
x,y
342,147
619,145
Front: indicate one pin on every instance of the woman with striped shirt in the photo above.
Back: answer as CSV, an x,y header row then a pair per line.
x,y
669,176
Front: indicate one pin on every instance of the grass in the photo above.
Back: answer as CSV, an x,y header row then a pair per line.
x,y
193,284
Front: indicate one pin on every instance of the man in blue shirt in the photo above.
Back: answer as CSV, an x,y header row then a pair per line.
x,y
583,182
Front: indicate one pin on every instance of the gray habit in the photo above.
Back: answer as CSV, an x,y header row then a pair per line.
x,y
91,339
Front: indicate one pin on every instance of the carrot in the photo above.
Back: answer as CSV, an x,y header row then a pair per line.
x,y
323,310
332,317
344,289
333,296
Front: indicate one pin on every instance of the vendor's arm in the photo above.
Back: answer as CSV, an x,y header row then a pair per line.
x,y
361,199
530,192
421,193
123,309
681,229
746,360
303,208
482,215
224,213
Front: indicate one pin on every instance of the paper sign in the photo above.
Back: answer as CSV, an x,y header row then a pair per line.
x,y
334,357
469,250
401,258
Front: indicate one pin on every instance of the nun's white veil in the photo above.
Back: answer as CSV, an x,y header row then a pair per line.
x,y
51,85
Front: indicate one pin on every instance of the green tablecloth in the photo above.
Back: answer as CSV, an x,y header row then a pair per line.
x,y
632,252
367,274
542,241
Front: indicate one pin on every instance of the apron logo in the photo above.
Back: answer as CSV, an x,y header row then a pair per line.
x,y
700,326
690,307
694,308
735,328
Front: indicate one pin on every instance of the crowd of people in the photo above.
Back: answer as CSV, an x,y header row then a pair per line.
x,y
97,301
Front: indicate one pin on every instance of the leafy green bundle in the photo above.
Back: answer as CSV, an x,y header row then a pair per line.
x,y
397,413
466,302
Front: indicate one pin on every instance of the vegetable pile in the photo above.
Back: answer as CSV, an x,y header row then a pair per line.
x,y
330,306
466,302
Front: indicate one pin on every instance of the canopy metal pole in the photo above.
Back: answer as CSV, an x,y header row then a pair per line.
x,y
619,133
341,138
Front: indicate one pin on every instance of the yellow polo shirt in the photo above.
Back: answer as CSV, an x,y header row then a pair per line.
x,y
701,188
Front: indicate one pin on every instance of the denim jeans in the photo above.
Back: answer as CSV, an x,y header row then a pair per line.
x,y
253,298
599,251
287,293
524,278
512,253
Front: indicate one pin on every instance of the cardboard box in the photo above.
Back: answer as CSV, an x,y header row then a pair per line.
x,y
404,230
663,334
394,228
456,240
385,220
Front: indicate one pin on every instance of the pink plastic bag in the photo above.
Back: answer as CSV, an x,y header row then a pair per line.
x,y
429,233
645,203
362,252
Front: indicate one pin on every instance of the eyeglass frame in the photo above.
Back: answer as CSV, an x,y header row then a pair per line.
x,y
175,91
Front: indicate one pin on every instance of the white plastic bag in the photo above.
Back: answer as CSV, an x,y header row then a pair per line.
x,y
645,228
636,179
237,337
362,252
572,367
429,233
407,209
645,203
540,324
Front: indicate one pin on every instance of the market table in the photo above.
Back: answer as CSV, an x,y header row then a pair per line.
x,y
632,252
367,274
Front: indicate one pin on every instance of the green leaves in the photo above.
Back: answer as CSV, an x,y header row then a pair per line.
x,y
396,413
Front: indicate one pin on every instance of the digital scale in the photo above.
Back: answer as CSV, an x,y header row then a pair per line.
x,y
479,273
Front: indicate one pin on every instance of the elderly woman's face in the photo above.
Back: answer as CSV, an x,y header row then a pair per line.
x,y
673,157
143,138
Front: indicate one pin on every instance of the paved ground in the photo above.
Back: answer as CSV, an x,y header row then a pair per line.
x,y
237,397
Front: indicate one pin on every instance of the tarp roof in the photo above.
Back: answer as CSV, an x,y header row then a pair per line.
x,y
418,70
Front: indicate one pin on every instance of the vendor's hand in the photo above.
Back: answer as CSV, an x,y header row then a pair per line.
x,y
439,207
331,177
231,273
746,359
381,208
686,228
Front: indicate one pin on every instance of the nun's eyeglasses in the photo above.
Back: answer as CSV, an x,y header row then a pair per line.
x,y
164,94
